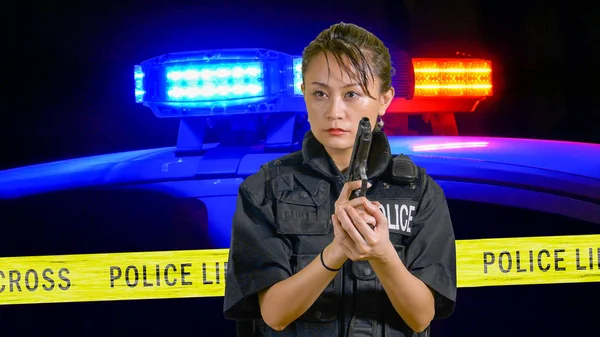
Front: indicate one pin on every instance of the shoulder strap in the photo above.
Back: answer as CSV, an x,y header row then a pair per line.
x,y
283,165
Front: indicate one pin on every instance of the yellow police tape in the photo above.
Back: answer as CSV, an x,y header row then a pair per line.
x,y
201,273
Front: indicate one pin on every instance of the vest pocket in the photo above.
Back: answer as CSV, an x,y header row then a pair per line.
x,y
325,308
302,206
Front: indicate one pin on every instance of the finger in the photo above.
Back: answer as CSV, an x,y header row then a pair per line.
x,y
349,187
373,208
356,203
368,219
338,229
350,227
362,210
347,246
345,224
341,235
365,215
361,226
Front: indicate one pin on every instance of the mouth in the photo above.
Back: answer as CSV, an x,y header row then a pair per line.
x,y
336,132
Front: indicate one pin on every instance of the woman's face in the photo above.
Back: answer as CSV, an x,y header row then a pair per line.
x,y
336,103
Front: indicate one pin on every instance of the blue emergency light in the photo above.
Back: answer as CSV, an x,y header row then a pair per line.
x,y
297,75
226,82
218,82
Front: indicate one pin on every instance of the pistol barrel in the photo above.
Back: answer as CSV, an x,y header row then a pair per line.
x,y
360,154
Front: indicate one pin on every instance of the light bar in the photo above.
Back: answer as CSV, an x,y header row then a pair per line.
x,y
215,82
298,75
452,77
246,81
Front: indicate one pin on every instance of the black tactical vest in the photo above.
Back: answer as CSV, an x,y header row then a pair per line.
x,y
354,303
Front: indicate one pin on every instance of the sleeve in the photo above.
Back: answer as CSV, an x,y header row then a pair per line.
x,y
258,256
431,255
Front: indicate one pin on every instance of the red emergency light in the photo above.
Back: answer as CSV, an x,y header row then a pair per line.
x,y
444,86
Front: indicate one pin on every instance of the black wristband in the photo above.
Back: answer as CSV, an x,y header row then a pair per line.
x,y
324,265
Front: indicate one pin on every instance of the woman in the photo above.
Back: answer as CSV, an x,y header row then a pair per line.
x,y
305,260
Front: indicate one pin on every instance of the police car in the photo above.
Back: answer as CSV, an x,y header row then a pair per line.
x,y
241,108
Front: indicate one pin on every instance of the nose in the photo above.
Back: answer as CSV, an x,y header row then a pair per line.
x,y
335,109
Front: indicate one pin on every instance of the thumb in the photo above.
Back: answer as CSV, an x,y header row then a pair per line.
x,y
373,207
348,188
376,212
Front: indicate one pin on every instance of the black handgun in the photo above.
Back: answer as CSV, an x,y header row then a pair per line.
x,y
358,163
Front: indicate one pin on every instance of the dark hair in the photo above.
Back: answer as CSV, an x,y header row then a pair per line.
x,y
367,54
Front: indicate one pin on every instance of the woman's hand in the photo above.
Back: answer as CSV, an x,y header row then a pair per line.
x,y
344,201
334,254
360,228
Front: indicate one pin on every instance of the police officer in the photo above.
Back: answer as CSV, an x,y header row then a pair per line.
x,y
308,260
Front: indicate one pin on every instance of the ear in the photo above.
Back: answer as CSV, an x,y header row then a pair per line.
x,y
304,96
386,100
302,88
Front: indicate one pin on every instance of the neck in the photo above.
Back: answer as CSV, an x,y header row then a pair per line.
x,y
341,158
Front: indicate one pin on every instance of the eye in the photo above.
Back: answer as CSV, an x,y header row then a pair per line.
x,y
319,94
352,94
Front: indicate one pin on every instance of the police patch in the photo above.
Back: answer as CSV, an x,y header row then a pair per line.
x,y
400,214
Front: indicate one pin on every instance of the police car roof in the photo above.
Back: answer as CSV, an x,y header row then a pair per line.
x,y
568,157
538,163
